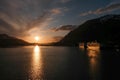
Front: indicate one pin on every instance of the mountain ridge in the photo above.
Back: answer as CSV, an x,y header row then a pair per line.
x,y
104,29
6,40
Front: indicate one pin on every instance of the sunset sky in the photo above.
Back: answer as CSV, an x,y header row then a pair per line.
x,y
50,19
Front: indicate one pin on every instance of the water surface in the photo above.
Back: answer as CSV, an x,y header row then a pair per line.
x,y
58,63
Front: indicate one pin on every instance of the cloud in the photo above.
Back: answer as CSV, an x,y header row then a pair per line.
x,y
65,28
5,27
17,17
109,8
39,20
56,11
65,1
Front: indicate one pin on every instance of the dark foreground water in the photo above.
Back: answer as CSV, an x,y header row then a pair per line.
x,y
58,63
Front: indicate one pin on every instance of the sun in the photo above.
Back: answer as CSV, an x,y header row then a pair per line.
x,y
37,38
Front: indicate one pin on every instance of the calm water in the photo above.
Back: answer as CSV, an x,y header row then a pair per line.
x,y
58,63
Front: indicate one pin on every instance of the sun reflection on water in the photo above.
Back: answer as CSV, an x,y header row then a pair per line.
x,y
36,54
36,70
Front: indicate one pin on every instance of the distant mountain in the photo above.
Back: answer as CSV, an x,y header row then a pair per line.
x,y
105,29
6,40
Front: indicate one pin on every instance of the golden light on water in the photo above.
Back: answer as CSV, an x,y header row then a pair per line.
x,y
36,70
36,50
94,62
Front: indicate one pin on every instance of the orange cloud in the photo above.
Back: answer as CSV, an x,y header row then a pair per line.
x,y
56,11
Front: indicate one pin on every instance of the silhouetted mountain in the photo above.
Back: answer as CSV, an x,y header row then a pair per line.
x,y
105,29
6,40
